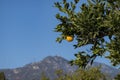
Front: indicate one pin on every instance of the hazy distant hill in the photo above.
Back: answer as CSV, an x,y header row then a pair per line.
x,y
49,65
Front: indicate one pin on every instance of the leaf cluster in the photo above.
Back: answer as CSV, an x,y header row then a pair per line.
x,y
92,23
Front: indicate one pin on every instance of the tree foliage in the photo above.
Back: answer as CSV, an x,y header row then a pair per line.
x,y
95,23
44,77
81,74
2,76
117,77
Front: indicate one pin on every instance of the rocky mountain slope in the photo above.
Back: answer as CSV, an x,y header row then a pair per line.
x,y
49,65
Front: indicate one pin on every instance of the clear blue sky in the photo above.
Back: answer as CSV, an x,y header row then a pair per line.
x,y
26,33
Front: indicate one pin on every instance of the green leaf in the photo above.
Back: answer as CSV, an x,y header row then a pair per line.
x,y
76,1
66,6
59,40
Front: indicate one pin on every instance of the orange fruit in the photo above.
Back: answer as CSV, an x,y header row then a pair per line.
x,y
69,38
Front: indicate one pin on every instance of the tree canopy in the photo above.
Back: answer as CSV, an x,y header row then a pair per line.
x,y
2,76
95,23
81,74
117,77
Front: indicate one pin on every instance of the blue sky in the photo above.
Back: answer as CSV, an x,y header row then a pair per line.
x,y
26,33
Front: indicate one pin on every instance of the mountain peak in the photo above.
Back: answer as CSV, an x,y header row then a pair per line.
x,y
54,58
48,65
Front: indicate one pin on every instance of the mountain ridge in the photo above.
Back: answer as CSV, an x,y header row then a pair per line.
x,y
49,65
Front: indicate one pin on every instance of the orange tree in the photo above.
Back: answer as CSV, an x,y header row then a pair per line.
x,y
95,23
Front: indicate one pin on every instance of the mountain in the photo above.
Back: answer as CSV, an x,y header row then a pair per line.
x,y
110,71
48,66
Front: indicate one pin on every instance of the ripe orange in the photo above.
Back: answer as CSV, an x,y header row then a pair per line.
x,y
69,38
